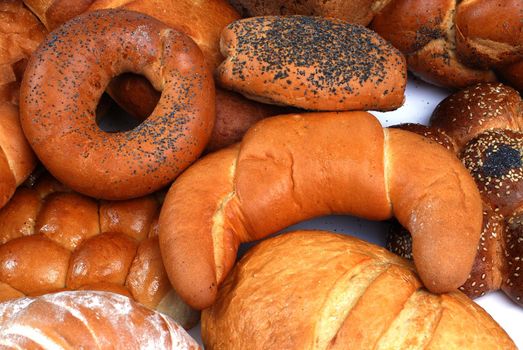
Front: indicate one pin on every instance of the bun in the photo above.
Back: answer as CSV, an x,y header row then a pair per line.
x,y
295,167
485,123
87,320
63,240
311,63
353,11
62,129
367,298
454,44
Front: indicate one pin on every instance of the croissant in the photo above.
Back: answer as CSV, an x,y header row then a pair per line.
x,y
317,290
295,167
53,239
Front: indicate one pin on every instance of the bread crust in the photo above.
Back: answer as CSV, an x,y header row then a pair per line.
x,y
311,63
87,320
62,240
455,44
61,127
295,167
328,291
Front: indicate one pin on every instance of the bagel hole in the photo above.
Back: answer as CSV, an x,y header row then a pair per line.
x,y
128,101
112,118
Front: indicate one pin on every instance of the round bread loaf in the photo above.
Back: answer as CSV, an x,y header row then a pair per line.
x,y
60,92
87,320
312,63
60,240
317,290
456,43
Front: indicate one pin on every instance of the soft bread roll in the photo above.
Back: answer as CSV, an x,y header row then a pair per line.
x,y
312,63
484,125
353,11
317,290
63,240
295,167
87,320
455,43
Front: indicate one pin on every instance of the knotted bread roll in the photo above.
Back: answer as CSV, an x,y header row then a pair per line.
x,y
295,167
483,124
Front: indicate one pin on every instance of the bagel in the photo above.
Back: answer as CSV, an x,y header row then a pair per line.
x,y
60,92
295,167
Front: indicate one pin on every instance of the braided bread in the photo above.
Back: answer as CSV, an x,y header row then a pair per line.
x,y
53,239
291,168
87,320
456,43
484,126
316,290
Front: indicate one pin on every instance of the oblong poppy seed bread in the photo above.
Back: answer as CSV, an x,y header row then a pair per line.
x,y
311,62
320,291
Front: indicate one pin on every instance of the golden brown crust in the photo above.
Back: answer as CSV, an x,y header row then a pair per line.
x,y
353,11
489,34
62,129
234,113
64,240
367,298
291,168
312,63
513,75
87,320
454,43
202,21
21,33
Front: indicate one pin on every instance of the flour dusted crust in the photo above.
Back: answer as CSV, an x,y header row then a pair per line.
x,y
90,320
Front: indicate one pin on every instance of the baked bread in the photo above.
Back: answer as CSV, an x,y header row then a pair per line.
x,y
455,43
20,34
17,160
484,123
353,11
311,63
317,290
234,113
63,240
202,21
294,167
87,320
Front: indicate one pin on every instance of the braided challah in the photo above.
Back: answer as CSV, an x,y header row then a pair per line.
x,y
483,124
53,239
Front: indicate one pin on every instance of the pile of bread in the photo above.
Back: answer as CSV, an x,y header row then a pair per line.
x,y
142,142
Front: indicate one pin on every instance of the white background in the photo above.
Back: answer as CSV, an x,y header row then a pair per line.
x,y
421,100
